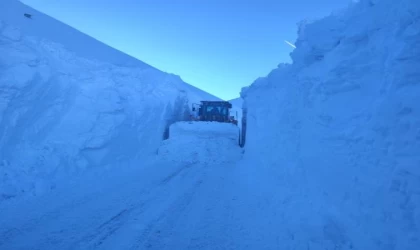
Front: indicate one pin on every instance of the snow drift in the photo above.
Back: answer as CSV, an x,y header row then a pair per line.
x,y
338,131
69,102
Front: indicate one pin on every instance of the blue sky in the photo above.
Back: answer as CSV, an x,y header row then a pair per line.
x,y
216,45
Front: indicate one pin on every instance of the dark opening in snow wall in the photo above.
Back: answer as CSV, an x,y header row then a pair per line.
x,y
62,114
339,129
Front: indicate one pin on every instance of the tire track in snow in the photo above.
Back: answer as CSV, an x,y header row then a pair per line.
x,y
107,228
152,237
210,227
174,174
58,228
121,221
199,219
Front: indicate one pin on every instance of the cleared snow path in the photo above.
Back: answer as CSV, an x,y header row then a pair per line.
x,y
197,194
172,204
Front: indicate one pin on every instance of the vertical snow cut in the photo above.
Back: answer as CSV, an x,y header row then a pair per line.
x,y
62,113
339,130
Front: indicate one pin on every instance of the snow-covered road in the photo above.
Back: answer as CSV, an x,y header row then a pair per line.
x,y
199,192
178,207
167,205
196,194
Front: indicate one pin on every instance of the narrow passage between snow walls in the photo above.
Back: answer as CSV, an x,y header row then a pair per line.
x,y
331,160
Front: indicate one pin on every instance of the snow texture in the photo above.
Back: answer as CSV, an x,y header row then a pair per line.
x,y
62,112
207,143
338,131
331,160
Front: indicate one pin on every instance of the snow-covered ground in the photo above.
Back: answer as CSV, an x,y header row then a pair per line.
x,y
207,143
331,159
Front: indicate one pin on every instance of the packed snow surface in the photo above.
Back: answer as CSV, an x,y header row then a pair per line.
x,y
204,129
205,142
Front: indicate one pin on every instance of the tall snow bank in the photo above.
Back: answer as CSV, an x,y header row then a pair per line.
x,y
61,114
339,130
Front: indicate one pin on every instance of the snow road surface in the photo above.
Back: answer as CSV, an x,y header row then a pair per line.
x,y
171,204
178,207
207,143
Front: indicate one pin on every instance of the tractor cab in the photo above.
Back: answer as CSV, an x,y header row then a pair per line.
x,y
214,111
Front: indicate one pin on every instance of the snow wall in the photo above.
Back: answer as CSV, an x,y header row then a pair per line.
x,y
62,113
338,130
